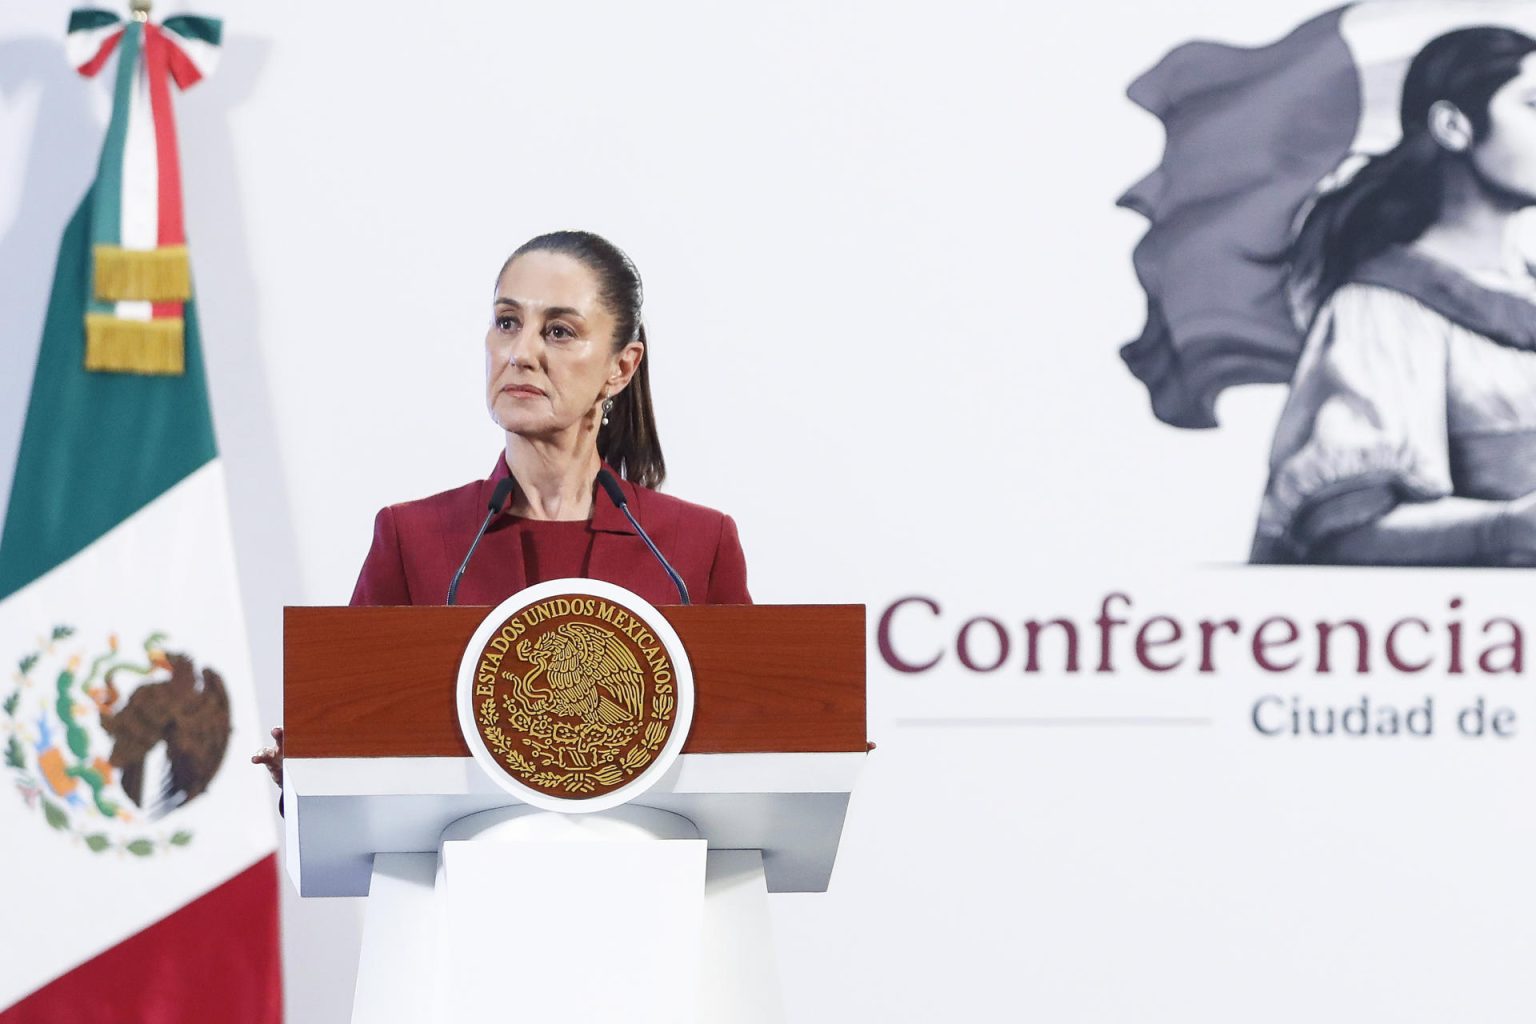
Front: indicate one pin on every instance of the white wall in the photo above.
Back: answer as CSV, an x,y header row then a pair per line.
x,y
886,285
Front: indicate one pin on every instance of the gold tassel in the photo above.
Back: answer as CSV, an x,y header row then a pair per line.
x,y
115,345
137,275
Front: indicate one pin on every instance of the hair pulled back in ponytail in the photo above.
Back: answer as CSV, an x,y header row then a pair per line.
x,y
1396,196
628,443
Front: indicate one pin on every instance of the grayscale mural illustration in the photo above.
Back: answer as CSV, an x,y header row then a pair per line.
x,y
1345,211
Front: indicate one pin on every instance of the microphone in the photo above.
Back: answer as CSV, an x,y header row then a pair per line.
x,y
498,498
616,494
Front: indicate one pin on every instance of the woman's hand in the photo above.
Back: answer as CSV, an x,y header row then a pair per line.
x,y
272,757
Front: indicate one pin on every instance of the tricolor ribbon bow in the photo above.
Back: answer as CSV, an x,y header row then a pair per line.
x,y
141,277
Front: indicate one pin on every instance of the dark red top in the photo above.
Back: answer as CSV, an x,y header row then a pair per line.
x,y
418,546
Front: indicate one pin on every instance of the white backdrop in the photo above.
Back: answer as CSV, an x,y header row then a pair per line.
x,y
886,283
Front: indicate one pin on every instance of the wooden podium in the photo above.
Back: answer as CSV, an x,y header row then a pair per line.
x,y
377,772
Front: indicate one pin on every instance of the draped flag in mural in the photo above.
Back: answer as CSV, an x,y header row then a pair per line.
x,y
138,867
1251,133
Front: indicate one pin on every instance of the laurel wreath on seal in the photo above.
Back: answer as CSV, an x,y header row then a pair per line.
x,y
618,767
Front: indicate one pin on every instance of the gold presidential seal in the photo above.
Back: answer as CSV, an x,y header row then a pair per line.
x,y
574,695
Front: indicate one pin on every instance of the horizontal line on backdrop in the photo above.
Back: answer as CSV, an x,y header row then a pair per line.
x,y
1128,720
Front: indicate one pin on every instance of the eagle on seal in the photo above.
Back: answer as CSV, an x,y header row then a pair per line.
x,y
591,675
169,739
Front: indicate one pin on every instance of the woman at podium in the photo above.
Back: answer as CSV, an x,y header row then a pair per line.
x,y
567,381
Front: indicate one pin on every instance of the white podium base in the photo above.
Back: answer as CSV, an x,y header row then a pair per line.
x,y
568,917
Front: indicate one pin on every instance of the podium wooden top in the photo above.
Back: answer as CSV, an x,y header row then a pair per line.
x,y
380,682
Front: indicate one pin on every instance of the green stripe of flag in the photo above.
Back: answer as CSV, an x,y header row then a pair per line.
x,y
108,215
97,447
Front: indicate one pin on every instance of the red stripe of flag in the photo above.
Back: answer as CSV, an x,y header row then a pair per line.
x,y
157,51
90,67
215,959
182,69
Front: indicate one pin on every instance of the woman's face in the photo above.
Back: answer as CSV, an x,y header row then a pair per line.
x,y
1506,157
549,355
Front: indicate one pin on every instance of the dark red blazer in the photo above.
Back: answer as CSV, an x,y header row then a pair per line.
x,y
419,545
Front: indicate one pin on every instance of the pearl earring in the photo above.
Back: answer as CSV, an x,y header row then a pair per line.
x,y
607,408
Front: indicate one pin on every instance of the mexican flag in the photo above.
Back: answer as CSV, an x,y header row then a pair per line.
x,y
137,850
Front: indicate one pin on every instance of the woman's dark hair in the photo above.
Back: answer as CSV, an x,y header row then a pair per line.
x,y
1396,196
628,443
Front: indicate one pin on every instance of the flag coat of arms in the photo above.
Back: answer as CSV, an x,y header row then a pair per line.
x,y
137,850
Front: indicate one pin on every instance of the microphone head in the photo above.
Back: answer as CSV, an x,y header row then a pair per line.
x,y
606,480
499,495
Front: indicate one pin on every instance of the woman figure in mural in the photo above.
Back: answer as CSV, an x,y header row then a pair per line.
x,y
1409,436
